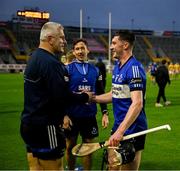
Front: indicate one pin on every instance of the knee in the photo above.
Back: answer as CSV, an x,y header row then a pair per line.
x,y
69,147
33,162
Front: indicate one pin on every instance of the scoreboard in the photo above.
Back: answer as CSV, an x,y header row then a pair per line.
x,y
34,14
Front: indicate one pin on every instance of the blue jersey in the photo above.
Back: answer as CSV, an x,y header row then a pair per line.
x,y
130,77
153,69
84,76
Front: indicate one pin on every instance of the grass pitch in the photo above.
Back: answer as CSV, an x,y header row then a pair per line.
x,y
162,150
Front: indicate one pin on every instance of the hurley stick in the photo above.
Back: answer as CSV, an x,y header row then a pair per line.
x,y
88,148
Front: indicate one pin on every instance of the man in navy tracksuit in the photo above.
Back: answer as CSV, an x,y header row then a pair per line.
x,y
46,98
162,78
83,77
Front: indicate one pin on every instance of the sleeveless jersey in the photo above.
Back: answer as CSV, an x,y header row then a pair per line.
x,y
82,76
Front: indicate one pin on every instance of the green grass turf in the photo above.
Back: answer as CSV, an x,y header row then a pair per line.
x,y
162,150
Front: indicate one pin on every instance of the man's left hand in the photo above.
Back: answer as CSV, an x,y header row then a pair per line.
x,y
105,120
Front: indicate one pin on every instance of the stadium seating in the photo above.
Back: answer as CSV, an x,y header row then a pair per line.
x,y
18,40
140,50
95,45
4,43
168,46
5,49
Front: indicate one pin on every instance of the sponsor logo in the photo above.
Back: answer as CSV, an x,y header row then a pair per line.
x,y
120,91
84,87
117,78
66,78
84,80
94,131
136,80
100,78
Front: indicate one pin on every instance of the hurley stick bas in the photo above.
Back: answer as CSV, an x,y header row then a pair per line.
x,y
88,148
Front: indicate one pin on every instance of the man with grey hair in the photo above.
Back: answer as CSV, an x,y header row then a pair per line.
x,y
46,98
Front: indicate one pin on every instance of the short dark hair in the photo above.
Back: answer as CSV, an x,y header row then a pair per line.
x,y
163,61
127,36
80,40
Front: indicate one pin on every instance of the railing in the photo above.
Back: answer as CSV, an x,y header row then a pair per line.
x,y
7,67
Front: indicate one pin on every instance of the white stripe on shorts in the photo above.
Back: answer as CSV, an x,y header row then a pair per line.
x,y
55,137
52,136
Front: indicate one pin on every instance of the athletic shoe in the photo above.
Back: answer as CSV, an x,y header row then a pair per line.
x,y
167,103
79,168
158,105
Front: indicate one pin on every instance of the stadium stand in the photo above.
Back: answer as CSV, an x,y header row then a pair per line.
x,y
95,45
19,37
4,43
1,61
6,56
140,50
166,46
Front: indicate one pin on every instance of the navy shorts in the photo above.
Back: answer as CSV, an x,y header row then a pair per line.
x,y
138,142
87,127
45,142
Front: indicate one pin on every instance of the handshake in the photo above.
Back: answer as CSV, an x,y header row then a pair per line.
x,y
92,96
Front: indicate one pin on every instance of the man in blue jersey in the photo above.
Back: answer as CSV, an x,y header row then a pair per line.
x,y
83,77
46,98
127,97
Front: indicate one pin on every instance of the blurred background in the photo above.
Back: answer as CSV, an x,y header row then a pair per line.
x,y
156,24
